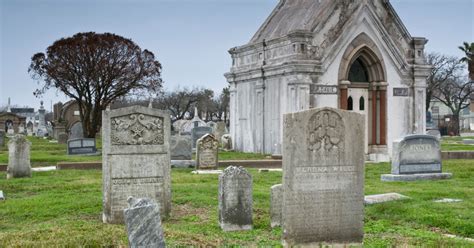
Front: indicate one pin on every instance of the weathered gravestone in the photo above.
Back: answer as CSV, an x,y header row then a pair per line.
x,y
207,153
76,131
235,199
198,132
18,157
2,138
181,147
220,129
143,222
62,138
276,196
416,157
226,141
1,196
81,146
323,177
135,159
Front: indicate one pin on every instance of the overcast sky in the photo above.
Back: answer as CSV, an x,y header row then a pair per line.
x,y
189,37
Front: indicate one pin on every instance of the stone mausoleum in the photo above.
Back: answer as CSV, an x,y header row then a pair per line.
x,y
352,55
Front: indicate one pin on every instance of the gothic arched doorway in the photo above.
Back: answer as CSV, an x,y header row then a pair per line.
x,y
363,89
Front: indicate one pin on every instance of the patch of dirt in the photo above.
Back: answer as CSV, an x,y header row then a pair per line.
x,y
180,211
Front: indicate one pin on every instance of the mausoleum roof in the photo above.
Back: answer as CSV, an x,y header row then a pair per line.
x,y
288,16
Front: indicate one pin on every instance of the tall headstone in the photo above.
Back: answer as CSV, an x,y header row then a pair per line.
x,y
416,157
323,177
276,197
207,152
76,132
181,147
220,130
2,138
135,159
143,222
198,132
18,157
235,199
41,129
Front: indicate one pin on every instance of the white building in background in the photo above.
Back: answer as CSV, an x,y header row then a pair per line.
x,y
353,55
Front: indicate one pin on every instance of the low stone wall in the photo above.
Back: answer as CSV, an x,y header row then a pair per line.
x,y
457,155
79,166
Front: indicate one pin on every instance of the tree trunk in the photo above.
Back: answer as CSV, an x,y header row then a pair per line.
x,y
454,125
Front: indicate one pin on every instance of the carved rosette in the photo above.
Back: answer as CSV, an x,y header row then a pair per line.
x,y
137,129
209,142
326,131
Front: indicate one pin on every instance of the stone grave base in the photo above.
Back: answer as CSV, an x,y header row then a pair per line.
x,y
329,245
206,172
232,228
374,199
183,164
414,177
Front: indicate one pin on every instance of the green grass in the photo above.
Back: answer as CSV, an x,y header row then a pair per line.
x,y
44,153
455,144
63,208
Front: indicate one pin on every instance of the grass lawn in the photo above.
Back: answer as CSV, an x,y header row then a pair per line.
x,y
455,144
44,153
63,208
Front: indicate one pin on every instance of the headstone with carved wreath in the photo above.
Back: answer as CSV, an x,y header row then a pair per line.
x,y
323,178
136,159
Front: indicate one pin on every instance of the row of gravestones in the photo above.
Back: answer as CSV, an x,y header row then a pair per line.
x,y
321,197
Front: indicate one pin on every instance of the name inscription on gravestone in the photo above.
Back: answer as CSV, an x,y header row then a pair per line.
x,y
323,177
136,159
416,154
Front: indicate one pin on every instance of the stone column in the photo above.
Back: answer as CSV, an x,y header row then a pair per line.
x,y
421,71
343,85
383,113
373,88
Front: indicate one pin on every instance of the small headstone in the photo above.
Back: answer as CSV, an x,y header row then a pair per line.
x,y
207,153
380,198
81,146
143,222
136,159
181,147
226,142
416,157
235,199
276,197
183,164
323,177
2,197
198,132
448,200
2,138
18,157
62,138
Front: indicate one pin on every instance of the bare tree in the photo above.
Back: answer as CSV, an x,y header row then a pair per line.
x,y
455,94
179,102
95,69
444,69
